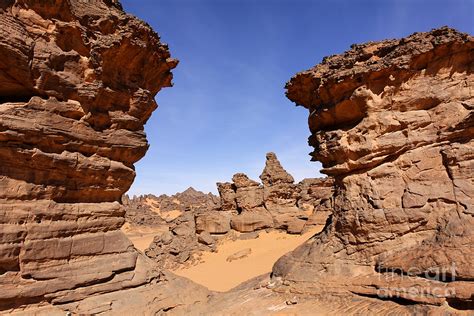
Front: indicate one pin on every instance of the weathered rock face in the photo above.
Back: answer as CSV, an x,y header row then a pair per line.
x,y
281,195
213,222
227,196
316,198
393,122
273,173
77,84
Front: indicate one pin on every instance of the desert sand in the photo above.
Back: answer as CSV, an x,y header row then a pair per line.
x,y
218,274
141,237
167,216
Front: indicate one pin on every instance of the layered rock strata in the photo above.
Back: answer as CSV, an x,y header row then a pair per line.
x,y
77,85
393,123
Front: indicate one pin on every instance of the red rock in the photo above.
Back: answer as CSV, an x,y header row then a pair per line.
x,y
239,255
278,202
206,238
251,221
392,122
227,196
213,222
274,173
77,84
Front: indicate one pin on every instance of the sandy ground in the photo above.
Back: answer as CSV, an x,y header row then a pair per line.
x,y
167,216
218,274
142,237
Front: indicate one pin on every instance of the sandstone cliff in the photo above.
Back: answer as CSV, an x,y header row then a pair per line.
x,y
393,123
77,84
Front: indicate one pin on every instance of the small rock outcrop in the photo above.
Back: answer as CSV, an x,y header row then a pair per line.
x,y
151,210
393,123
77,84
281,196
278,202
184,220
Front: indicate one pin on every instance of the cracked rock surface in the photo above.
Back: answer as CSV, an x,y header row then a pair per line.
x,y
77,84
393,123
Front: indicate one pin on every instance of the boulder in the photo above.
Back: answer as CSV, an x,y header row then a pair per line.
x,y
249,198
248,194
251,221
239,255
213,222
247,236
206,238
296,226
241,180
227,196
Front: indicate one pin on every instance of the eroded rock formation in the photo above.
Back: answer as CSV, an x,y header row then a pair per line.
x,y
278,202
393,123
182,223
192,222
151,210
77,84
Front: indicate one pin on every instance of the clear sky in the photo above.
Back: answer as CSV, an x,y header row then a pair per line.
x,y
228,106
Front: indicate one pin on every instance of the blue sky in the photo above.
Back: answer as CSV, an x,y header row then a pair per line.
x,y
228,106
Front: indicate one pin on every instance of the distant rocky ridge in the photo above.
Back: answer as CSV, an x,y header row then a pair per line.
x,y
195,221
151,210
